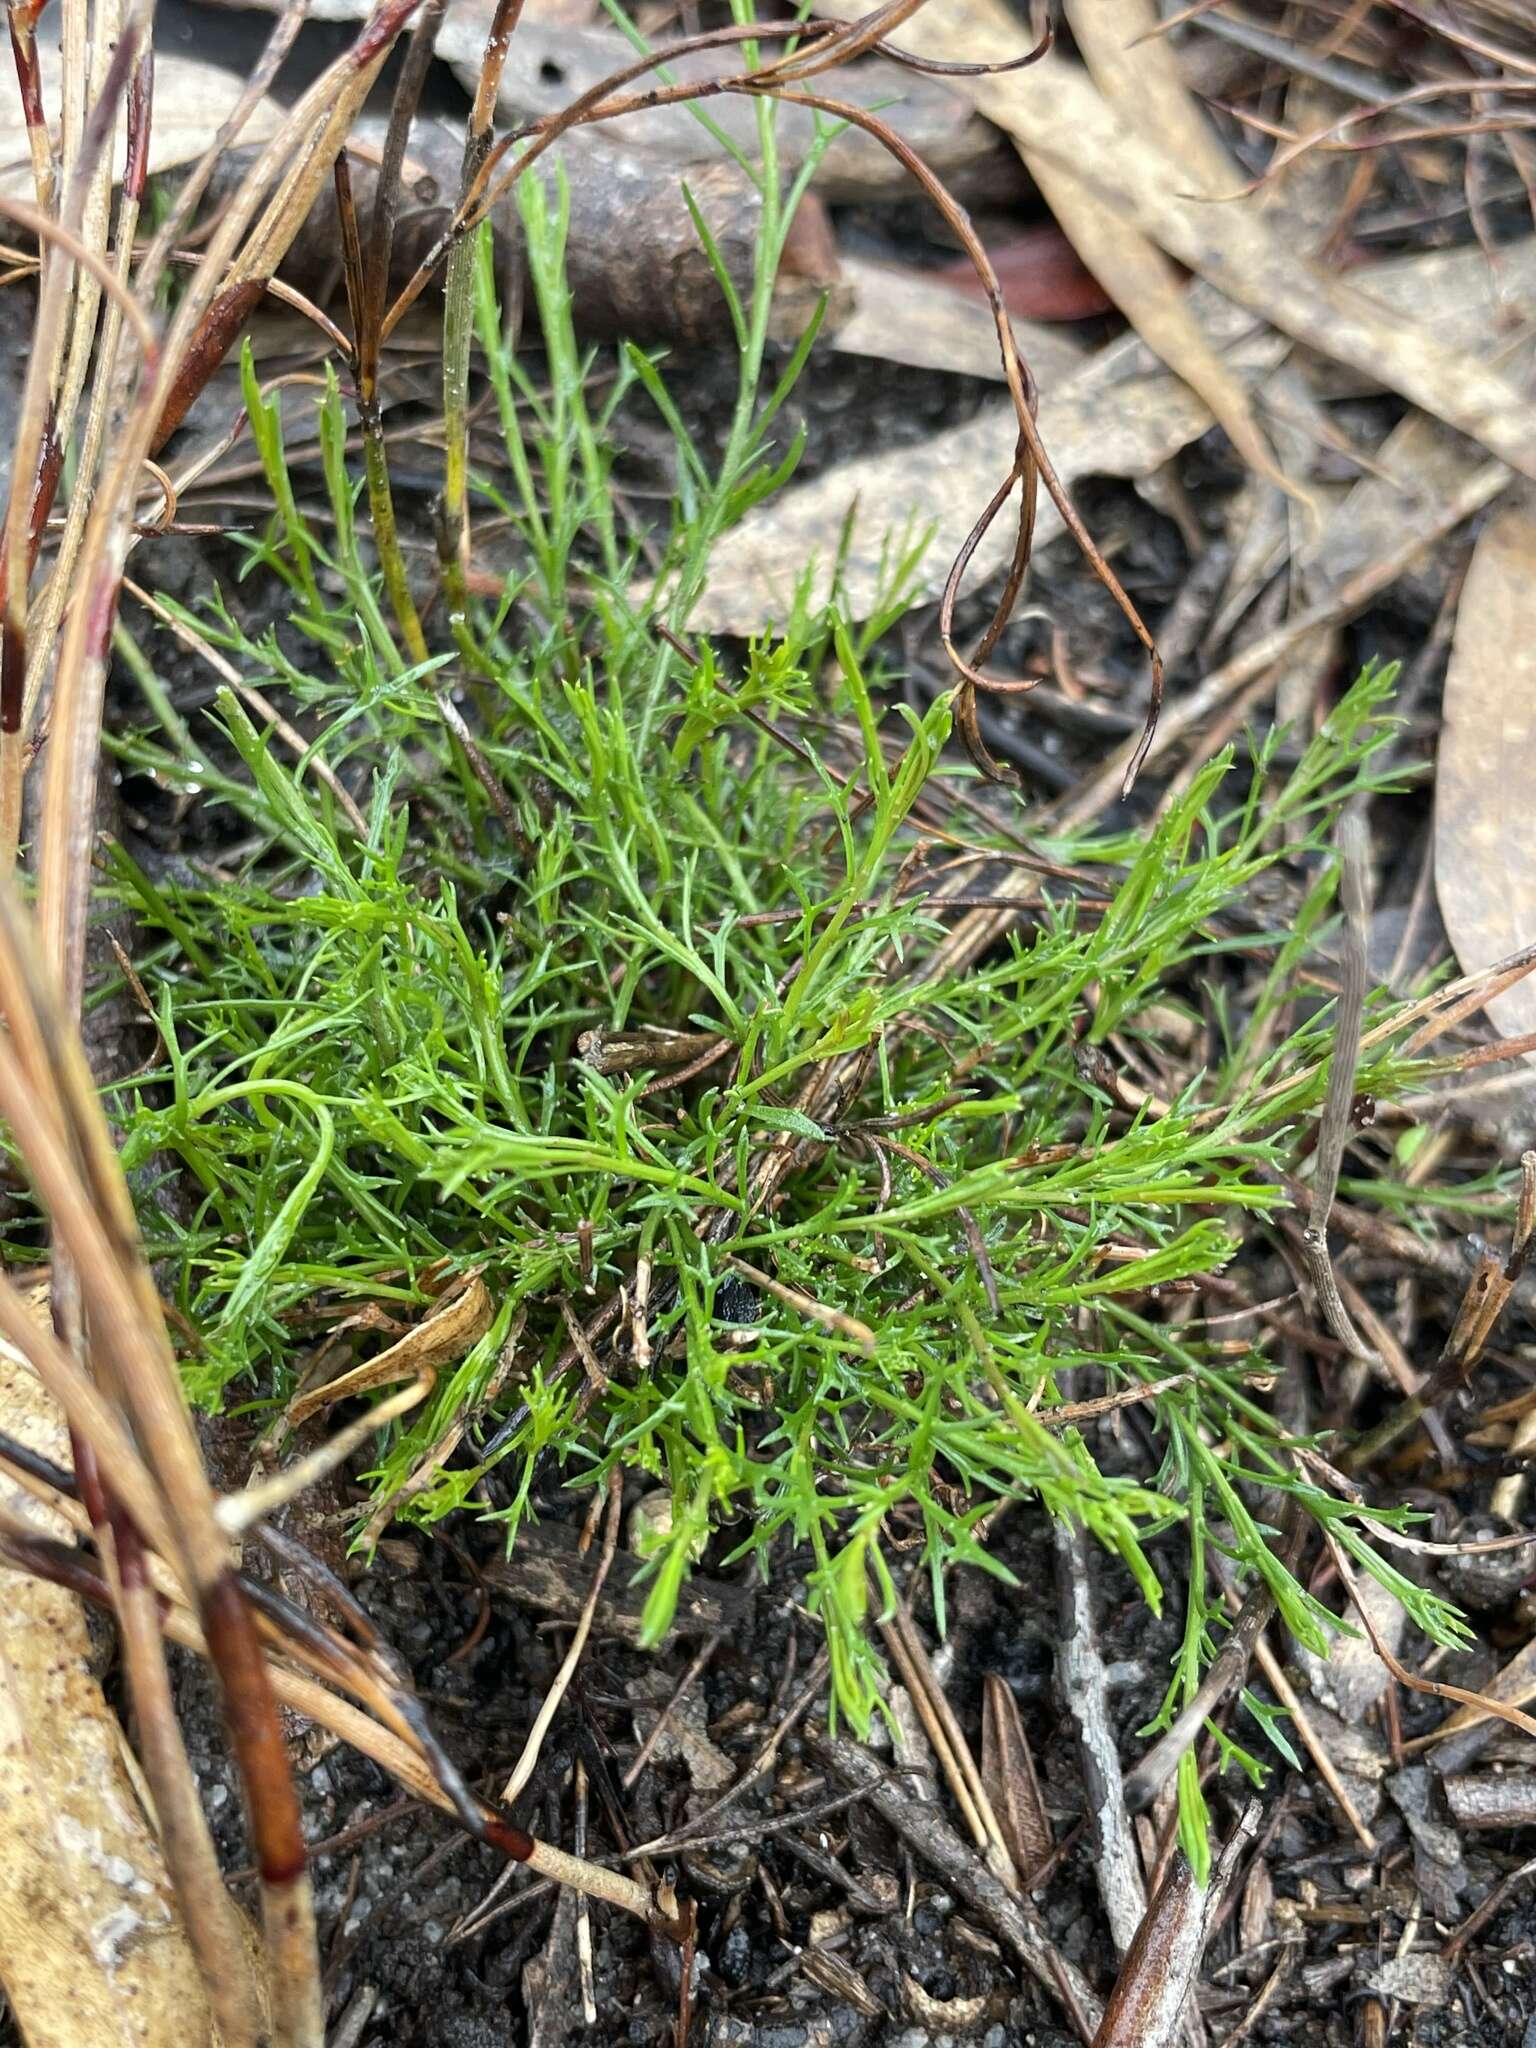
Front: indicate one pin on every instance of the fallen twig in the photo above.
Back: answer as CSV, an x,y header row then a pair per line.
x,y
1146,2008
1080,1686
1335,1123
932,1838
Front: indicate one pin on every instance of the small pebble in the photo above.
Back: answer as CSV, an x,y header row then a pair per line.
x,y
735,1958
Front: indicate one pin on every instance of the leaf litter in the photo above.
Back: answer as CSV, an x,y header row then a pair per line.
x,y
1483,832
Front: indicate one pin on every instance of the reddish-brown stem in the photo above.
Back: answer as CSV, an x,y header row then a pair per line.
x,y
208,348
368,318
500,1833
252,273
29,77
255,1733
365,359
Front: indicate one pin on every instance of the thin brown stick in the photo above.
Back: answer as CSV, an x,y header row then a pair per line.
x,y
834,1319
1436,1688
1308,1736
912,1663
964,1872
1335,1123
523,1769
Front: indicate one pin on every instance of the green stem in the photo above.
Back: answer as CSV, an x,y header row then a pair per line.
x,y
386,534
458,331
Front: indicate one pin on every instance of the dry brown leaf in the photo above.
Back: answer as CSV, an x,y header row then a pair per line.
x,y
1056,113
92,1952
1485,823
1008,1776
441,1338
1454,293
1150,293
1418,467
432,1461
1145,90
192,100
550,63
902,316
1120,415
1138,74
1256,1914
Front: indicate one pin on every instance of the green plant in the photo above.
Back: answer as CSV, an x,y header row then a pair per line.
x,y
376,1064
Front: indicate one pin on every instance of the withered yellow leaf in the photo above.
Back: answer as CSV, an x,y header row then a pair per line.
x,y
441,1338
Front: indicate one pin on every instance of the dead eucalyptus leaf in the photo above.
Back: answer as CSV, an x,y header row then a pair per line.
x,y
1138,73
1150,293
901,315
1144,89
92,1950
1056,113
1122,414
192,101
442,1338
1485,824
